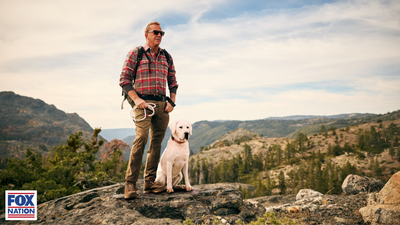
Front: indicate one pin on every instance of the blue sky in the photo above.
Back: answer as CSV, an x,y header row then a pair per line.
x,y
235,60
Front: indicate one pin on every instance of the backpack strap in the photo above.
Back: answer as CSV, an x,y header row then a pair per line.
x,y
167,56
139,57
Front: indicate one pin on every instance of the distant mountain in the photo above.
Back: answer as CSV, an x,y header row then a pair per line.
x,y
121,133
207,132
28,122
340,116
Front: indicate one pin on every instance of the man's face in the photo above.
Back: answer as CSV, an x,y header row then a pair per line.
x,y
152,39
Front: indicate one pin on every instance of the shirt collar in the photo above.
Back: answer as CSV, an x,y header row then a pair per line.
x,y
147,49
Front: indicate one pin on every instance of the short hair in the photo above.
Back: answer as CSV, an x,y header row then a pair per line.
x,y
148,26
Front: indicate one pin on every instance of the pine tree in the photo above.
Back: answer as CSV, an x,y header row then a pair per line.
x,y
268,186
391,149
372,166
301,175
266,161
301,140
294,180
311,176
322,129
328,176
233,171
377,169
320,157
398,154
221,171
319,181
248,158
192,171
257,163
282,184
333,130
279,154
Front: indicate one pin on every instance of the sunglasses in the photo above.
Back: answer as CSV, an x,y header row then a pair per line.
x,y
156,32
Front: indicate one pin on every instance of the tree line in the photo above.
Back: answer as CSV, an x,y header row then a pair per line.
x,y
68,168
316,171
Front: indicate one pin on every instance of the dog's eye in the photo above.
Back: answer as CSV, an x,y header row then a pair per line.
x,y
180,127
187,127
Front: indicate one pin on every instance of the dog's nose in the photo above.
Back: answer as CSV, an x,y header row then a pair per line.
x,y
187,135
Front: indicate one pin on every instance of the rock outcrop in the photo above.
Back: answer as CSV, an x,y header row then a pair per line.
x,y
384,207
326,209
307,193
107,206
354,184
218,201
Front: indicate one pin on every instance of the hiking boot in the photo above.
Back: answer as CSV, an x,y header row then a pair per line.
x,y
152,187
130,190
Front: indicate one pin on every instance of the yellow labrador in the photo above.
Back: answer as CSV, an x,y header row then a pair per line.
x,y
176,158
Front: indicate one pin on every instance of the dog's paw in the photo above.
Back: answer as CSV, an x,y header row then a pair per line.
x,y
170,190
189,188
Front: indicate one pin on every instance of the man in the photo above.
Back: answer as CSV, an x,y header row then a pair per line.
x,y
151,79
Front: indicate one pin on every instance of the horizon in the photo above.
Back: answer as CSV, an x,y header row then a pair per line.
x,y
235,60
218,120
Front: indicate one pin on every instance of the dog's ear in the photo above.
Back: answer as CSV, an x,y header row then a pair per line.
x,y
172,126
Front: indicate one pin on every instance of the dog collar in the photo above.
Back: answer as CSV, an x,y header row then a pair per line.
x,y
179,142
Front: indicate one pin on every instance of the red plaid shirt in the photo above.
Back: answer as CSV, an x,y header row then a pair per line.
x,y
152,75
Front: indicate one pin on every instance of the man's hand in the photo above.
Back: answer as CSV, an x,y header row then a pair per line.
x,y
140,103
169,108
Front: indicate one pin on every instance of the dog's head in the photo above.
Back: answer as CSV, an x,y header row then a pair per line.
x,y
180,130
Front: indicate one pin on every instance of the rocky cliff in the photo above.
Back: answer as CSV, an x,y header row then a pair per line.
x,y
27,122
221,204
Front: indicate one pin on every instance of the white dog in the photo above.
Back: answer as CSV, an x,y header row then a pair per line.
x,y
175,158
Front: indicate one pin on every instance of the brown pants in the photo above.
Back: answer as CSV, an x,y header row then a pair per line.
x,y
157,124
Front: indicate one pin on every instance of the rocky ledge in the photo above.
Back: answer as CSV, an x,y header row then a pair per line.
x,y
107,206
324,209
225,204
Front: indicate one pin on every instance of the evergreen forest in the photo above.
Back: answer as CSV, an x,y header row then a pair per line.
x,y
301,163
69,168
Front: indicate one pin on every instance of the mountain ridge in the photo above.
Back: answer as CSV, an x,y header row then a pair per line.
x,y
300,117
26,122
206,132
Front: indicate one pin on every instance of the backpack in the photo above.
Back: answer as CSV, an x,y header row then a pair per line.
x,y
138,59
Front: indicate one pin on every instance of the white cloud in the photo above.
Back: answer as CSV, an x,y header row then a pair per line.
x,y
70,53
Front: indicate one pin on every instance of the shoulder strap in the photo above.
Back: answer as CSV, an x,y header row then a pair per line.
x,y
139,57
167,56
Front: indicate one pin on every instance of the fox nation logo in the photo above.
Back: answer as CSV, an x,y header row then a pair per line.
x,y
21,205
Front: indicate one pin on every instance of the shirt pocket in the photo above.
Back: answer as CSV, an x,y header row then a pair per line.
x,y
144,66
163,67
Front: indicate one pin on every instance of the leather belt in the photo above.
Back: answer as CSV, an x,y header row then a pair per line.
x,y
157,98
154,97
